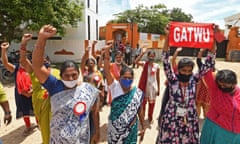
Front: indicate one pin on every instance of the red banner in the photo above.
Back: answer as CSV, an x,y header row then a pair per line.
x,y
192,35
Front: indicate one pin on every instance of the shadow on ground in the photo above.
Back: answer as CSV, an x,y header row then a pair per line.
x,y
6,139
103,134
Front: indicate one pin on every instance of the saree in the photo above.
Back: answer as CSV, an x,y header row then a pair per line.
x,y
123,122
214,134
66,126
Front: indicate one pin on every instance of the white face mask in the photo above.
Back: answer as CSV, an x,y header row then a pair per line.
x,y
118,63
70,84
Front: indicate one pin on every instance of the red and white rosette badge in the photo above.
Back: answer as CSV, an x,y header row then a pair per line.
x,y
79,109
153,71
96,78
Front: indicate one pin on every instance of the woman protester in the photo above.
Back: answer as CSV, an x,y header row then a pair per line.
x,y
222,123
71,102
40,98
165,97
202,95
115,69
180,121
149,82
126,105
23,90
92,75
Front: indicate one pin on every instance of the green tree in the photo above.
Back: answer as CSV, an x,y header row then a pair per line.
x,y
152,19
19,15
176,14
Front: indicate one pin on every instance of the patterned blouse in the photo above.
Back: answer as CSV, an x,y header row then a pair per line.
x,y
180,120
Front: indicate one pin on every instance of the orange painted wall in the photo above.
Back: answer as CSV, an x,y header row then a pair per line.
x,y
132,35
234,41
102,33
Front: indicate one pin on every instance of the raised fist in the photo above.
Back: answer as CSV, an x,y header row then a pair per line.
x,y
47,31
179,49
95,42
144,50
26,37
166,29
108,44
5,45
87,49
202,50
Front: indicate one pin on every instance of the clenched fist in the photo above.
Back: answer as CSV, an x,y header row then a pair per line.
x,y
47,31
5,45
26,37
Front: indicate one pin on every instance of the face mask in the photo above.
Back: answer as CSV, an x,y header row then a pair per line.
x,y
126,83
70,84
118,63
226,90
150,59
183,78
47,65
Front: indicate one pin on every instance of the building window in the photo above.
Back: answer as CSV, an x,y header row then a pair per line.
x,y
89,28
88,3
96,6
97,29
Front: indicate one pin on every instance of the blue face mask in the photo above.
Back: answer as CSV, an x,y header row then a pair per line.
x,y
47,65
126,83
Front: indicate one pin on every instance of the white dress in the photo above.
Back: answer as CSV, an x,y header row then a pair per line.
x,y
152,87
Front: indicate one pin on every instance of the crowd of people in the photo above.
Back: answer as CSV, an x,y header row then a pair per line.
x,y
66,102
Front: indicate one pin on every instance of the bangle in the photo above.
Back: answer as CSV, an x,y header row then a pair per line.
x,y
23,47
7,113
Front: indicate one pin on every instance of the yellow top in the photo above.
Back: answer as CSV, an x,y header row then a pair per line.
x,y
3,96
38,90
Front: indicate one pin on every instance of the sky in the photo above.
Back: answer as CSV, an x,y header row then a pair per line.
x,y
203,11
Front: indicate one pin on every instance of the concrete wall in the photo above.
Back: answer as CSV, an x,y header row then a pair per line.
x,y
52,46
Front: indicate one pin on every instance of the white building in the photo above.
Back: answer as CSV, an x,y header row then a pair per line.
x,y
88,28
231,21
71,46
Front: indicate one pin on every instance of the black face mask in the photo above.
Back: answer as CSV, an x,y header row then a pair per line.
x,y
183,77
226,90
